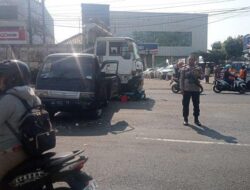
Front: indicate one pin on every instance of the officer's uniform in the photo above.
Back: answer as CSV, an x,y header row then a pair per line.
x,y
190,86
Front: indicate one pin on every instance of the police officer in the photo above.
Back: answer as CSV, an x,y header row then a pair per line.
x,y
190,88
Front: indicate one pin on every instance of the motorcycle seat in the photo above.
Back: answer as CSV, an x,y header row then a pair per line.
x,y
43,162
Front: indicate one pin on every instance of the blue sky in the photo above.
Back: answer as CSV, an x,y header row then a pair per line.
x,y
67,14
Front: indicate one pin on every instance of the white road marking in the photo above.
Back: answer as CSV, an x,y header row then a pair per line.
x,y
192,142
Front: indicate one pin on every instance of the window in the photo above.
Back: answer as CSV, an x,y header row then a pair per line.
x,y
67,67
176,39
101,48
119,49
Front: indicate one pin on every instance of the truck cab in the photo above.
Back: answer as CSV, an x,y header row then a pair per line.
x,y
123,50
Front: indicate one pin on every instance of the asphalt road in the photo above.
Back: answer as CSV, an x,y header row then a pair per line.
x,y
144,146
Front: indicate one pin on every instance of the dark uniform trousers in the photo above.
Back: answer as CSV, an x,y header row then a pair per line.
x,y
187,95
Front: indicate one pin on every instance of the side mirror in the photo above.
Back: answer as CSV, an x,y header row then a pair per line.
x,y
110,67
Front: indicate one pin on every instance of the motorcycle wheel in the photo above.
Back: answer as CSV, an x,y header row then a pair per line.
x,y
175,88
215,89
242,91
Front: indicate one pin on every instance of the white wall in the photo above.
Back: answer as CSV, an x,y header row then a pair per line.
x,y
125,23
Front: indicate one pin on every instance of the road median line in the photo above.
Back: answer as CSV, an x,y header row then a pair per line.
x,y
192,142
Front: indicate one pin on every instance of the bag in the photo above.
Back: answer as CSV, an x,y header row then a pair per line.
x,y
35,133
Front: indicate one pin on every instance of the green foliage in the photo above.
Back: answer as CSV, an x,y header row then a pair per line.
x,y
230,49
233,47
217,46
212,56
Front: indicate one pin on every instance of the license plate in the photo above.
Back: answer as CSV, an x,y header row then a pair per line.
x,y
92,186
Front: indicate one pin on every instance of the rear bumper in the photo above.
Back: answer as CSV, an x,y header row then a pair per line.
x,y
69,105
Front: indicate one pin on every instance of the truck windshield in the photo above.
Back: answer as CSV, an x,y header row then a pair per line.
x,y
135,51
68,67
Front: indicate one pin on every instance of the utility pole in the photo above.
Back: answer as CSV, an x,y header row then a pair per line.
x,y
43,17
29,23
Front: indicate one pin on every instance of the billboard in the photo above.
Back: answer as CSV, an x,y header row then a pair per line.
x,y
246,42
148,48
12,34
96,13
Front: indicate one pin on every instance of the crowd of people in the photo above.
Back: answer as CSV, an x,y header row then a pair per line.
x,y
229,73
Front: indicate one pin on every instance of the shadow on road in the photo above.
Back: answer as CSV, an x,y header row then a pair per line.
x,y
234,93
78,125
203,130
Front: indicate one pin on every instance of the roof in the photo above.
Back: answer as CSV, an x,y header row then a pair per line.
x,y
71,55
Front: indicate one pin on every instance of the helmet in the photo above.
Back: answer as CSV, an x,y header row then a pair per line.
x,y
228,66
15,72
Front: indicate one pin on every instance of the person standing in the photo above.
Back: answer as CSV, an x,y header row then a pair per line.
x,y
177,69
207,73
190,88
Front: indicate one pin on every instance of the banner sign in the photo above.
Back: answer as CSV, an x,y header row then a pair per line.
x,y
148,48
12,34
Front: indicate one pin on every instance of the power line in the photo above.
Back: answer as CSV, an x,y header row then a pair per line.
x,y
187,5
216,12
219,20
157,8
147,14
184,20
173,22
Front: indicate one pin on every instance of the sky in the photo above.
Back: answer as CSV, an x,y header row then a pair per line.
x,y
225,19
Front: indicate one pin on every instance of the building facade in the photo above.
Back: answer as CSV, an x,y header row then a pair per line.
x,y
177,34
21,22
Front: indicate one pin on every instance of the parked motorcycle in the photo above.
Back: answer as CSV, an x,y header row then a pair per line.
x,y
42,172
238,86
176,86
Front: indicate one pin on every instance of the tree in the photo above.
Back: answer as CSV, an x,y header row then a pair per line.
x,y
233,47
212,56
216,56
217,46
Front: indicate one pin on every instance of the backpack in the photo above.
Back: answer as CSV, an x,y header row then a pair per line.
x,y
35,132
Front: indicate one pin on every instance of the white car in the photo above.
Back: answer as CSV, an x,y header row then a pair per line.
x,y
167,72
149,73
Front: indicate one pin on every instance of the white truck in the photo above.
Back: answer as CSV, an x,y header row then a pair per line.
x,y
130,67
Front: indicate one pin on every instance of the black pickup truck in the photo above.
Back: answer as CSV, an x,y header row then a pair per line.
x,y
72,82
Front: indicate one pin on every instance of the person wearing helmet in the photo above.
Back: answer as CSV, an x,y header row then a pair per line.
x,y
14,79
243,73
228,76
177,69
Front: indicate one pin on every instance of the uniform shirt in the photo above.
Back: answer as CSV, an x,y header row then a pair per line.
x,y
190,79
